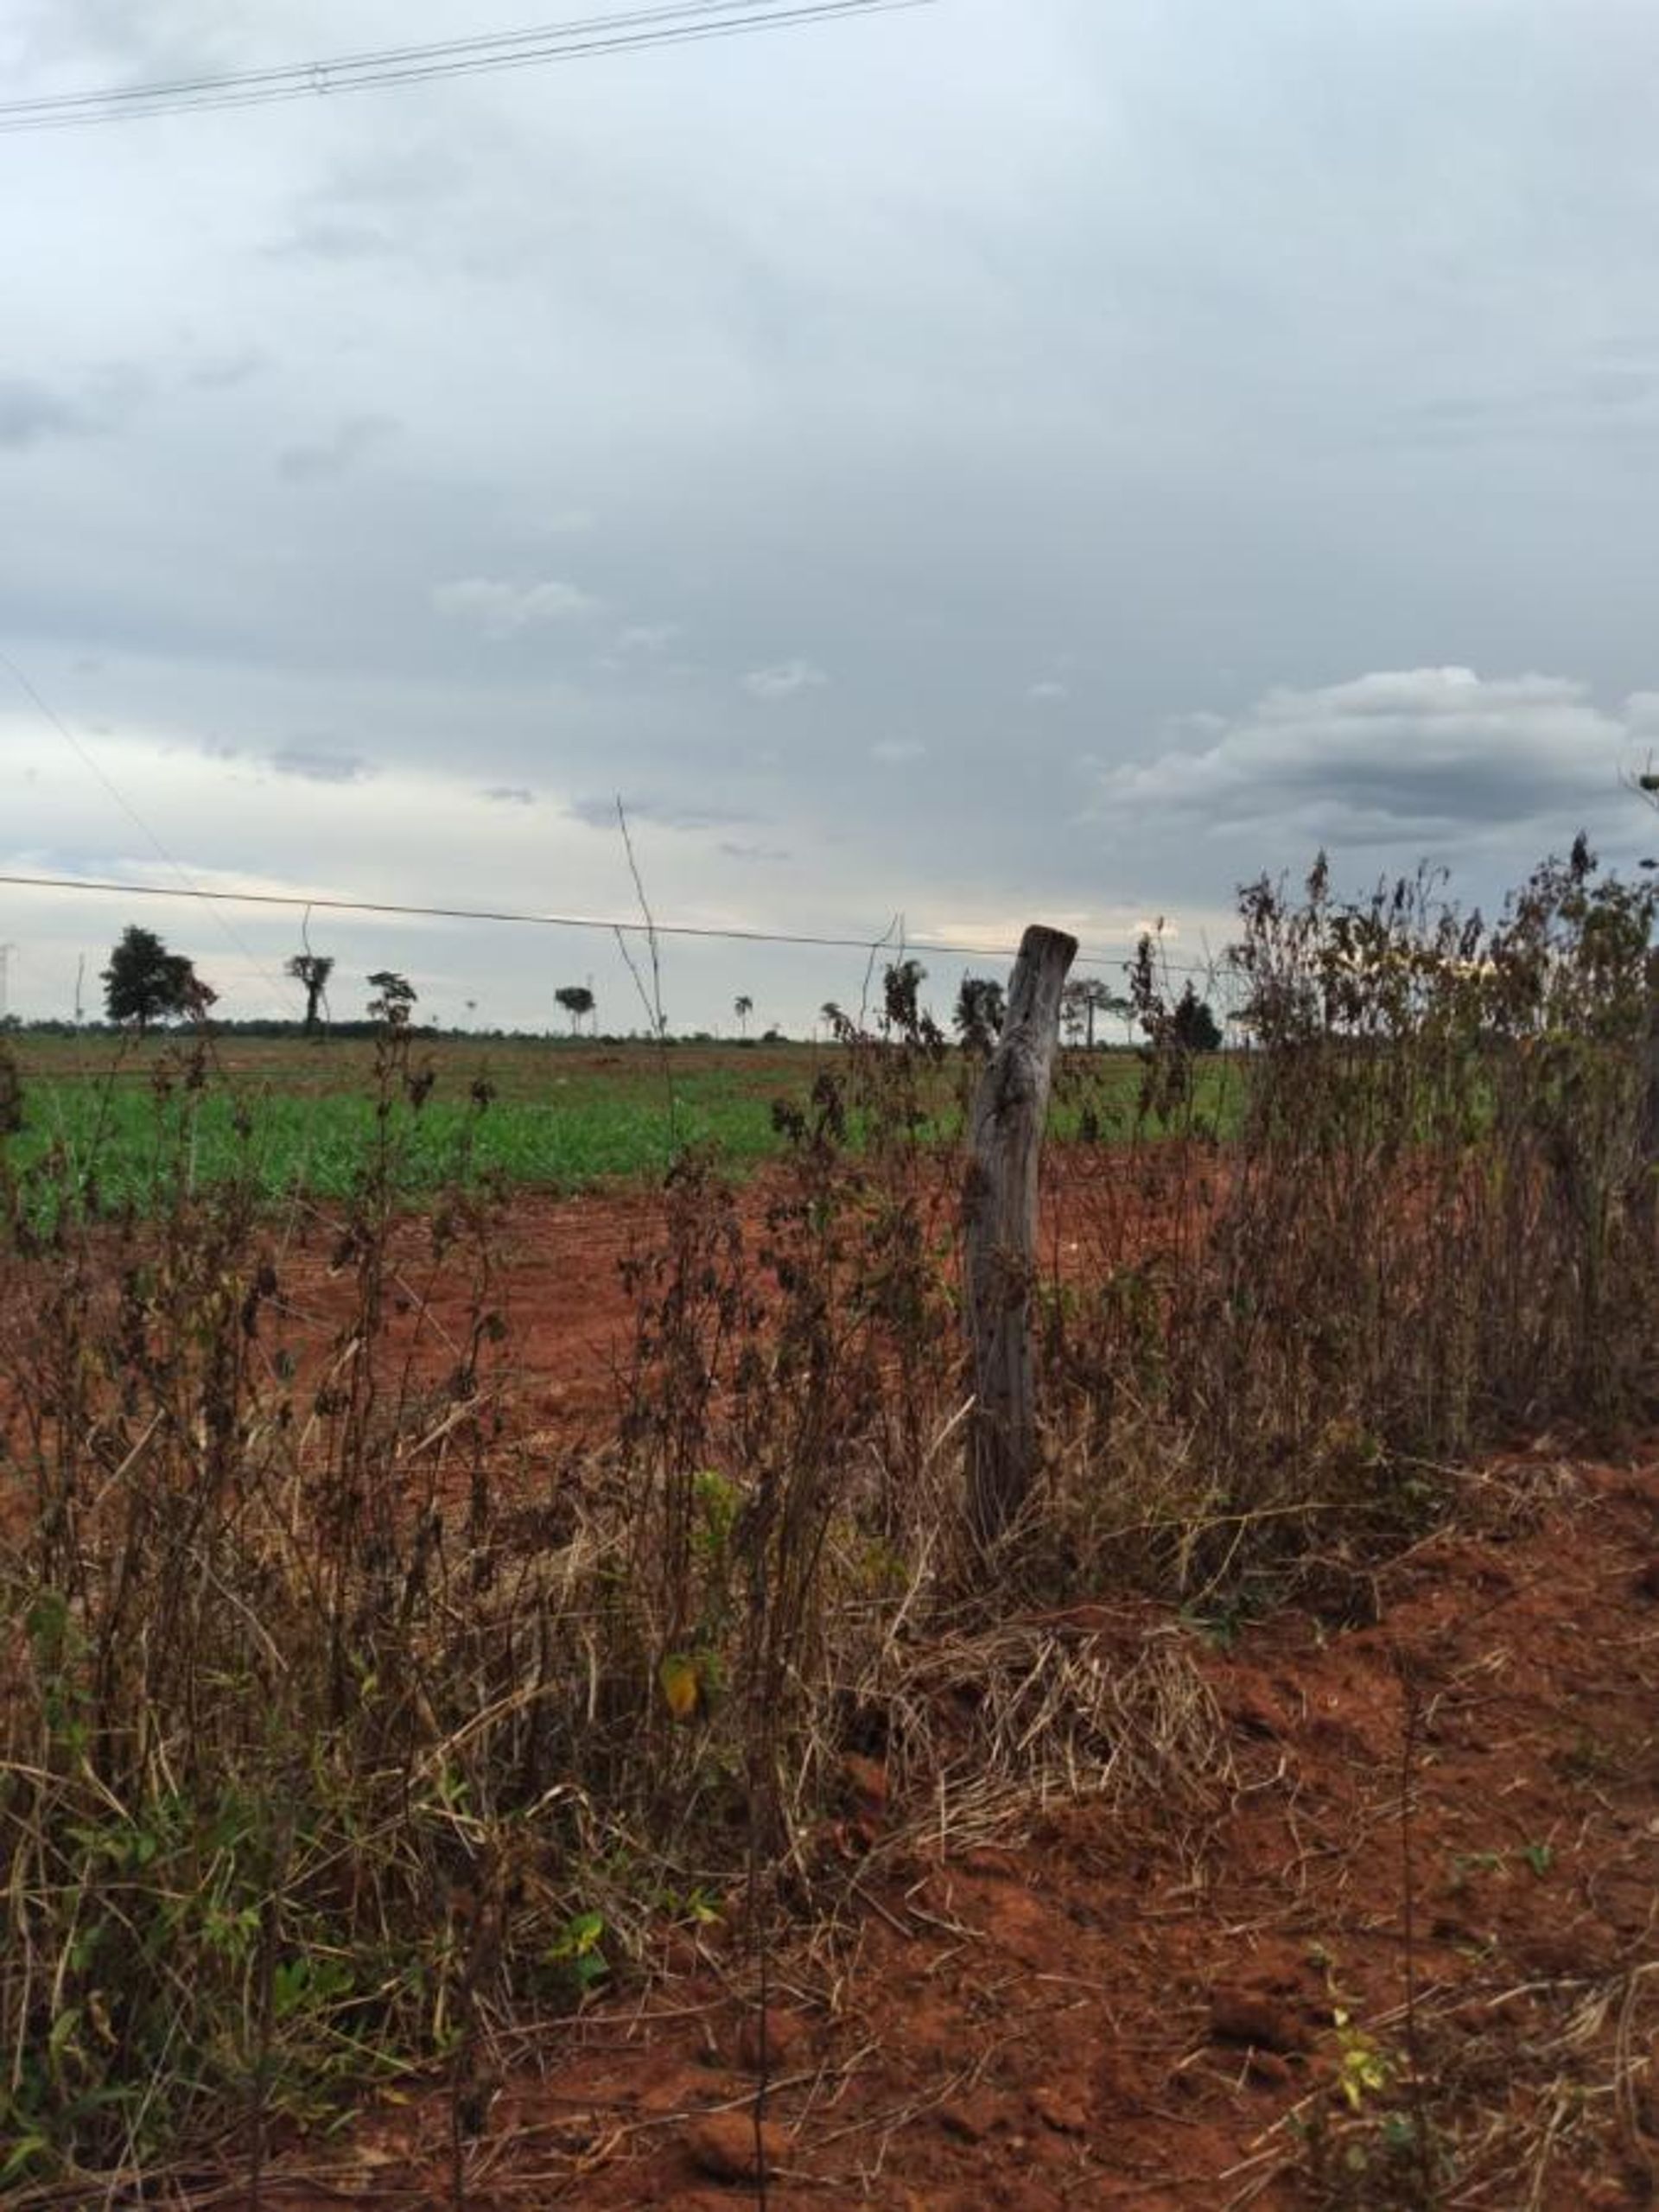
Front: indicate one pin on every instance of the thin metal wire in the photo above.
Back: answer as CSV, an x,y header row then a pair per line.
x,y
324,79
408,909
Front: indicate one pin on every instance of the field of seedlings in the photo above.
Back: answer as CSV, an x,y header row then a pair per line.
x,y
504,1705
296,1115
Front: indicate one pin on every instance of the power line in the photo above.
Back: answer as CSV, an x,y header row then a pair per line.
x,y
689,22
306,73
701,929
90,762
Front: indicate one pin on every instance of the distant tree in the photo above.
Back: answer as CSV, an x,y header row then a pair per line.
x,y
982,1008
394,997
576,999
312,970
1194,1023
145,983
1081,1001
743,1006
194,997
835,1020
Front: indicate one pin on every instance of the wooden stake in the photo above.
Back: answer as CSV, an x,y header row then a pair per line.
x,y
1000,1219
1649,1140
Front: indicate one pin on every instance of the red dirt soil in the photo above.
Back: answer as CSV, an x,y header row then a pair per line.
x,y
558,1270
1138,2007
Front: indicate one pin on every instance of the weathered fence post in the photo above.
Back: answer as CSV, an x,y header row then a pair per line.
x,y
1649,1134
999,1220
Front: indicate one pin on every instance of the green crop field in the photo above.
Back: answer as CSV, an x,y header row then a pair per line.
x,y
118,1115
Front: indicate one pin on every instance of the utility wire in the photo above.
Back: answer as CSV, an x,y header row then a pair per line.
x,y
307,73
91,763
403,910
689,23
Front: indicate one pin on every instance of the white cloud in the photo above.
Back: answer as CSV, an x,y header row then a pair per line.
x,y
503,610
647,637
784,681
893,752
1389,758
1049,692
1200,723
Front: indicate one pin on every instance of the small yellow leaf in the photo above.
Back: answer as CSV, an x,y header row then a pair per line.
x,y
678,1675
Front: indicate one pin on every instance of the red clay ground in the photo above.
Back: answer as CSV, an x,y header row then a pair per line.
x,y
1135,2004
559,1269
1140,2006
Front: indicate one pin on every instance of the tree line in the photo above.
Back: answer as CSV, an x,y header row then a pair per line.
x,y
145,984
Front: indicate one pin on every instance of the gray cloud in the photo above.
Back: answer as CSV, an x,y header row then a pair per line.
x,y
31,412
225,371
318,238
331,456
667,814
768,855
510,795
28,413
317,764
1391,759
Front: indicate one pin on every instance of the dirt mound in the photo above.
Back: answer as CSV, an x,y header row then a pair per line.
x,y
1404,1950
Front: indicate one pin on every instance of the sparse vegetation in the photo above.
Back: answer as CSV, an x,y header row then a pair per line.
x,y
394,999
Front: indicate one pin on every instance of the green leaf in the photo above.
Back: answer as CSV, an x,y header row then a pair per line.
x,y
22,2155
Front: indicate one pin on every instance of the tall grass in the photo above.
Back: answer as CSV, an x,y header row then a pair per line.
x,y
1427,1233
343,1727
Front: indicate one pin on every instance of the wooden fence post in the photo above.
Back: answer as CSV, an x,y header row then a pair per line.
x,y
1000,1219
1649,1134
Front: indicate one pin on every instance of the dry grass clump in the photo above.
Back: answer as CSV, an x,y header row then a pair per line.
x,y
1418,1222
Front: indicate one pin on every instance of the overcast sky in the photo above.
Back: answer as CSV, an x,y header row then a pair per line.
x,y
1013,459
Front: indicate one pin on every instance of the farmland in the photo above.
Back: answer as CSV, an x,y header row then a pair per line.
x,y
562,1115
476,1629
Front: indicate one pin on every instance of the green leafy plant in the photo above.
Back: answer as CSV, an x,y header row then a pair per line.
x,y
575,1950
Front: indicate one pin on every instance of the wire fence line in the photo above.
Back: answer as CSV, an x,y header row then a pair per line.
x,y
894,938
791,993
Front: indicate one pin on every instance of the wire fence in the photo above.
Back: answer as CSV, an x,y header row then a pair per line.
x,y
712,977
